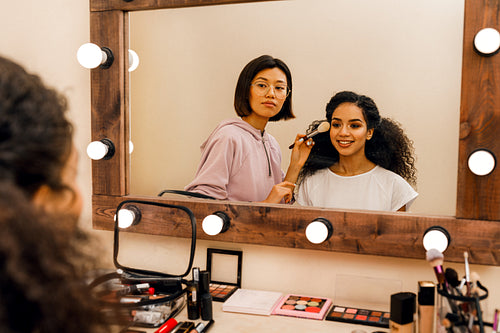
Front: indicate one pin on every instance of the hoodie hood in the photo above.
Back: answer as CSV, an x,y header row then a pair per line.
x,y
241,124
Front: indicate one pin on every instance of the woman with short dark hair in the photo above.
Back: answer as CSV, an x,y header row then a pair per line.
x,y
242,162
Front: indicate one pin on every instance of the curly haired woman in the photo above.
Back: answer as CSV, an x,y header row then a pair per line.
x,y
365,161
41,261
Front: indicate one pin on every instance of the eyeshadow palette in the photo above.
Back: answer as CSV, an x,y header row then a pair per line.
x,y
303,306
224,283
359,316
220,292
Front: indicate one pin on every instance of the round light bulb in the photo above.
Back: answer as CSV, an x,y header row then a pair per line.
x,y
212,225
126,218
130,147
487,41
316,232
97,150
90,55
481,162
133,60
435,239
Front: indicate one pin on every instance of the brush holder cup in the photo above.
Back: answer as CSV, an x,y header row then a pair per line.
x,y
456,312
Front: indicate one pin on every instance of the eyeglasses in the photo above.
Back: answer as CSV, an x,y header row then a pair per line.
x,y
261,88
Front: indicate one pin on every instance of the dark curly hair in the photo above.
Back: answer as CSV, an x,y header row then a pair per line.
x,y
35,136
42,261
41,269
389,146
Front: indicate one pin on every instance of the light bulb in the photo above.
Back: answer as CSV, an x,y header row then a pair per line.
x,y
316,232
125,218
90,55
487,41
436,238
481,162
101,150
216,223
130,146
133,60
212,225
96,150
319,230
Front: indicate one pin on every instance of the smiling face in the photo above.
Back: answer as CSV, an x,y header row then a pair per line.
x,y
269,104
349,130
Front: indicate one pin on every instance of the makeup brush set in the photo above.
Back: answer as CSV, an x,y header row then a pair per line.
x,y
459,307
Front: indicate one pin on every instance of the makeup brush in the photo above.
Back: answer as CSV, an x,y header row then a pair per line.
x,y
451,276
467,272
474,277
436,258
322,127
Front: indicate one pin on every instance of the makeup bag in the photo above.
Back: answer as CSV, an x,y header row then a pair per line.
x,y
138,296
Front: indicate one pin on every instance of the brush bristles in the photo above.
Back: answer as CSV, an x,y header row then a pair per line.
x,y
323,127
434,257
474,277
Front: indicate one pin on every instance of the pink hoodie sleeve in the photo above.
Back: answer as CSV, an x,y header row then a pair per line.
x,y
213,172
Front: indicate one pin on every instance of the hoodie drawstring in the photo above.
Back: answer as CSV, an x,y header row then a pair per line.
x,y
267,155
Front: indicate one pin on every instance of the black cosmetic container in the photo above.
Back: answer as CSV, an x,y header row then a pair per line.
x,y
403,307
193,307
205,298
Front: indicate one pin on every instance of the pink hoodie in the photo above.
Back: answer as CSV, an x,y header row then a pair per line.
x,y
238,163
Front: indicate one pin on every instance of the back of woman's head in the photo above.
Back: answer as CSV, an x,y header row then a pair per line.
x,y
35,136
41,287
242,92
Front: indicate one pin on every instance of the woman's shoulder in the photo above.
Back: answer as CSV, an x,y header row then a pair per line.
x,y
234,128
389,177
227,130
383,172
318,175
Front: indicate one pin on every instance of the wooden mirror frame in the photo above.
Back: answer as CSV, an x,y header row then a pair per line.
x,y
475,228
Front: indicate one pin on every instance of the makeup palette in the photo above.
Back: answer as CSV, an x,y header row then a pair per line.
x,y
224,282
303,306
220,292
359,316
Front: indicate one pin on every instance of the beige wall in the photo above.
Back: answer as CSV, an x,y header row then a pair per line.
x,y
44,37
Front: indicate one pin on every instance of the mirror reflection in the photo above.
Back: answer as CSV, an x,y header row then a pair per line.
x,y
406,56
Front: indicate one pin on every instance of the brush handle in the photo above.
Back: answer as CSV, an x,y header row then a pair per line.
x,y
307,137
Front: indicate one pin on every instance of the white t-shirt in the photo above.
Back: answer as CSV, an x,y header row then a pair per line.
x,y
377,189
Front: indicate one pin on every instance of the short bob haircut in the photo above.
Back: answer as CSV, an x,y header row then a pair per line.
x,y
241,95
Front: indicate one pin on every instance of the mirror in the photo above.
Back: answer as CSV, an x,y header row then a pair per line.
x,y
361,232
407,57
